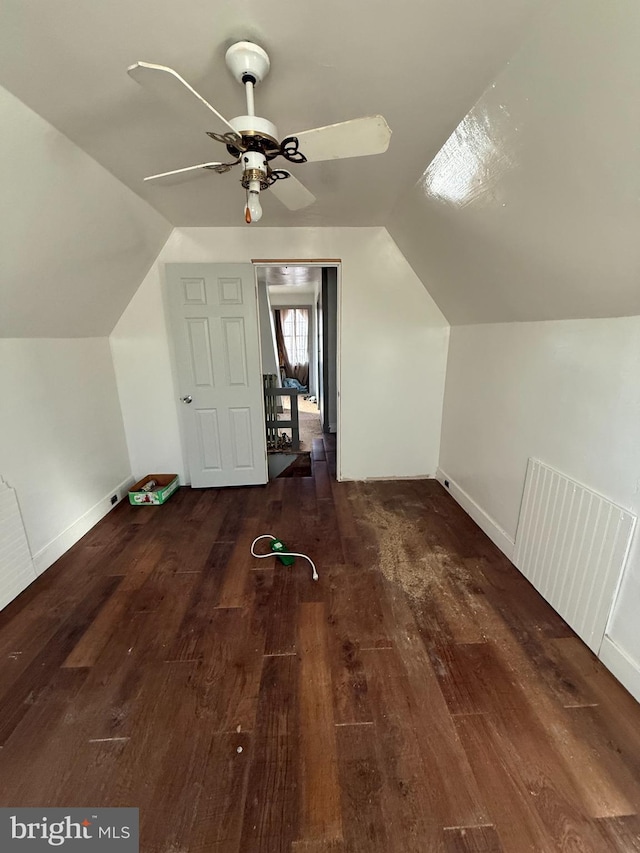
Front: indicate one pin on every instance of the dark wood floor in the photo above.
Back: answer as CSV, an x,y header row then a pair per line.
x,y
420,697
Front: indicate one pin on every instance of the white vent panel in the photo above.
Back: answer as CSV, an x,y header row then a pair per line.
x,y
572,544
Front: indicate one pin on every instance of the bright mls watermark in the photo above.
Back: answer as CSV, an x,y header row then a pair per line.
x,y
73,830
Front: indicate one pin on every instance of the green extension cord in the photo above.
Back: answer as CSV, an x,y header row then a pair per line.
x,y
286,559
282,553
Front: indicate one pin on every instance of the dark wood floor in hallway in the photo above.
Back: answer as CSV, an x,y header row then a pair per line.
x,y
419,697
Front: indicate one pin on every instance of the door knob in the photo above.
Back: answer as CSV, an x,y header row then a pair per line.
x,y
187,399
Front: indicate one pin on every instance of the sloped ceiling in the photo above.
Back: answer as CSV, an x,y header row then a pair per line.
x,y
420,63
531,210
74,242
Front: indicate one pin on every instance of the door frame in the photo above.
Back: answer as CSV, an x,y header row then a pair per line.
x,y
337,264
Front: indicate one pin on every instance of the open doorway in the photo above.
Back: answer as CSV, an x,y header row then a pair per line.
x,y
298,306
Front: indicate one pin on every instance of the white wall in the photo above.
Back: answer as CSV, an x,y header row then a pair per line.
x,y
268,345
62,444
393,348
566,392
75,242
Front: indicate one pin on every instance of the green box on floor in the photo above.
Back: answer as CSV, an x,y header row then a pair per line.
x,y
164,485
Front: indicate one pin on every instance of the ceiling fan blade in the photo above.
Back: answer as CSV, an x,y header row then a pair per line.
x,y
356,138
168,85
292,193
176,174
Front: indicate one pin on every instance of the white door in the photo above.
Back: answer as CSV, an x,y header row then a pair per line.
x,y
214,317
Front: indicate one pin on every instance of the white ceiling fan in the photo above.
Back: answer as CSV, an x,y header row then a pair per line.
x,y
253,142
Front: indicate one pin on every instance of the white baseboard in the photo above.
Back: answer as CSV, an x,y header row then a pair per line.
x,y
625,669
484,521
46,556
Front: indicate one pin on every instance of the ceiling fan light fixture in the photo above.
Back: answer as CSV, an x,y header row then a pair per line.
x,y
254,179
253,208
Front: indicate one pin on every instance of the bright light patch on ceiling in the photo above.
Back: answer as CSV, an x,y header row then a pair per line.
x,y
293,276
471,163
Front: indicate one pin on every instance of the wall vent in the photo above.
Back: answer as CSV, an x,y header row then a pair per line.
x,y
572,545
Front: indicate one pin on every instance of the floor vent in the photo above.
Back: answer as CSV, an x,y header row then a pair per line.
x,y
572,544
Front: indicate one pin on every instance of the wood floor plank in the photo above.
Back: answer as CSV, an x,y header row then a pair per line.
x,y
233,590
341,494
278,699
598,791
610,748
427,747
462,803
543,775
329,551
195,634
363,624
40,741
351,629
349,681
409,800
520,826
474,680
322,479
474,839
227,680
15,703
157,733
122,683
41,610
88,649
596,683
217,819
317,449
361,787
270,819
141,562
320,812
189,799
283,603
621,834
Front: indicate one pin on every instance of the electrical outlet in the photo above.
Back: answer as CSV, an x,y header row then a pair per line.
x,y
114,499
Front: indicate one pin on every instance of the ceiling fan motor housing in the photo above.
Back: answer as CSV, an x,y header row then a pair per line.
x,y
247,61
258,134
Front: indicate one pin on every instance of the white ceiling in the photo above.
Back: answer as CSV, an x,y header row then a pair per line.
x,y
531,210
420,64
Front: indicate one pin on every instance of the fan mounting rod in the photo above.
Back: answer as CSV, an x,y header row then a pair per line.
x,y
249,64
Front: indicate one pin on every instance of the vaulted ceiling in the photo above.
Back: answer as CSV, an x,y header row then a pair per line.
x,y
512,182
420,63
531,210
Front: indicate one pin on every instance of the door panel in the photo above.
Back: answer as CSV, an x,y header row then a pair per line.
x,y
213,312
